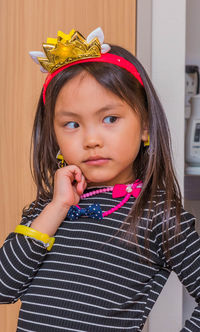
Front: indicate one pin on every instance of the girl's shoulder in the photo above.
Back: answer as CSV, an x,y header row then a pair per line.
x,y
169,214
156,203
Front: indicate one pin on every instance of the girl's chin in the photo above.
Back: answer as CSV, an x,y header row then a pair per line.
x,y
95,183
100,183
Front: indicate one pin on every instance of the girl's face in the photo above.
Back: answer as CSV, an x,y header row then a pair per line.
x,y
92,122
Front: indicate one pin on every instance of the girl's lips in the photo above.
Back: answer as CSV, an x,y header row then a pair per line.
x,y
97,161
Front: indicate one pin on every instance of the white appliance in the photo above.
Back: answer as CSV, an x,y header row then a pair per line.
x,y
192,143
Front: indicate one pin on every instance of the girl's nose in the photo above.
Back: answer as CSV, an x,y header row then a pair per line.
x,y
92,139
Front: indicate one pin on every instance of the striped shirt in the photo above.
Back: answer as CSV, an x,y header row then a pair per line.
x,y
93,281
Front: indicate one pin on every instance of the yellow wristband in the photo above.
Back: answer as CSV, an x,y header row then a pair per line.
x,y
32,233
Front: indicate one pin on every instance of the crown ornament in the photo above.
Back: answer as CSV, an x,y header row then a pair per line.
x,y
68,48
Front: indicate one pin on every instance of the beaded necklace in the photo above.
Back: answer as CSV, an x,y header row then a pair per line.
x,y
118,206
94,210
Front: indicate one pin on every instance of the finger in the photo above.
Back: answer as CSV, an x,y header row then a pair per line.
x,y
81,185
84,183
77,174
73,172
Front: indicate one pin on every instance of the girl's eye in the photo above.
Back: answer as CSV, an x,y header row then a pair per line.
x,y
72,125
110,119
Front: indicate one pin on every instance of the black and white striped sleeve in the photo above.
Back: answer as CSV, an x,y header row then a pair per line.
x,y
20,259
184,259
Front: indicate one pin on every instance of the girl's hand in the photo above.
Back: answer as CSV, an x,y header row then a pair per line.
x,y
69,185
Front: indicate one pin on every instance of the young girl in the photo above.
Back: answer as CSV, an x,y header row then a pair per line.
x,y
96,247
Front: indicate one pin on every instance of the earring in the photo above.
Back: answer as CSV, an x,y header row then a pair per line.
x,y
61,161
147,143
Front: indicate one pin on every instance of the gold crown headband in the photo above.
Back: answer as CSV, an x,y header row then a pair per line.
x,y
67,50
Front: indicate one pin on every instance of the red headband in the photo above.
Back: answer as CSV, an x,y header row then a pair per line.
x,y
107,57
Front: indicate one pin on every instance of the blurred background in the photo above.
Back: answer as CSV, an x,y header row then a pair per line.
x,y
164,35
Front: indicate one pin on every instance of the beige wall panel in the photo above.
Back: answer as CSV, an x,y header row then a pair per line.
x,y
24,25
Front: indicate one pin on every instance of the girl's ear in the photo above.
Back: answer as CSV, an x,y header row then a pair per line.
x,y
145,133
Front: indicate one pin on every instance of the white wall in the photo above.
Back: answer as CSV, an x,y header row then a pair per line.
x,y
144,34
165,61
